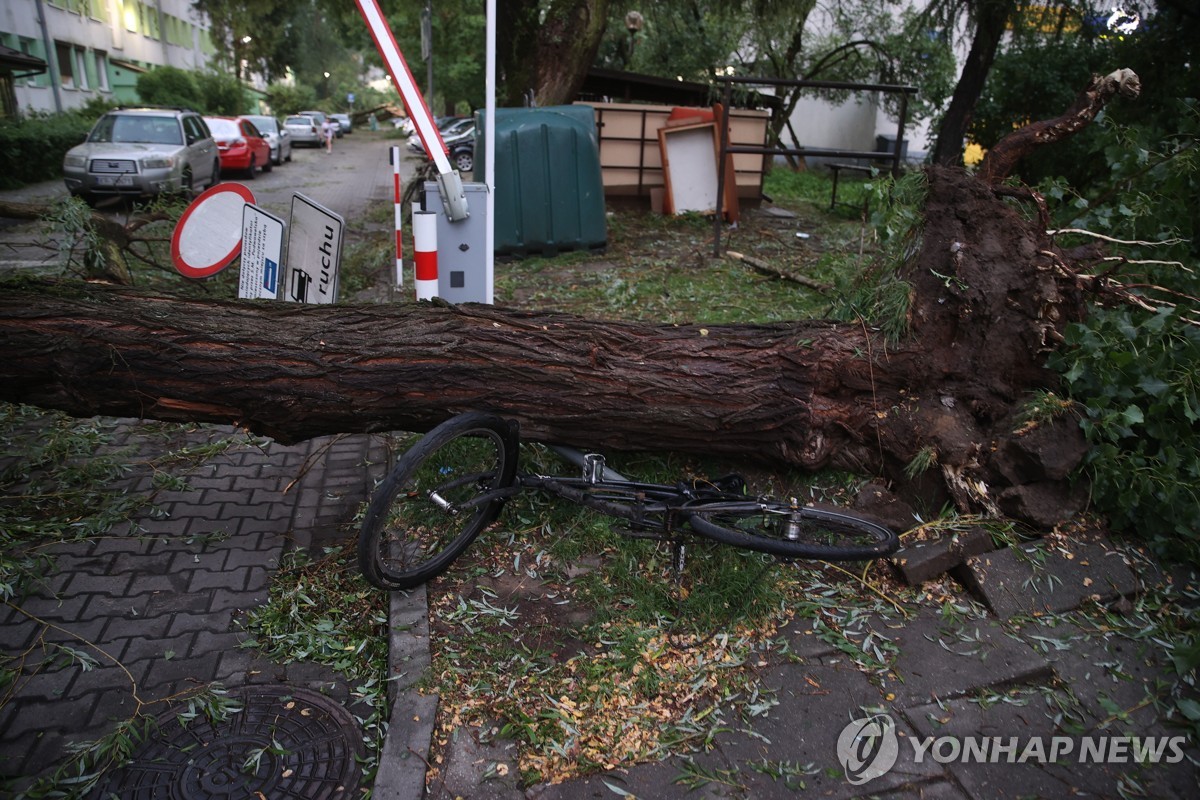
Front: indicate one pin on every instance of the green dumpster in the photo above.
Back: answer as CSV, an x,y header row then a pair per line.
x,y
549,195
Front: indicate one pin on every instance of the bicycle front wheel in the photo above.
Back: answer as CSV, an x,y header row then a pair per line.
x,y
792,531
439,496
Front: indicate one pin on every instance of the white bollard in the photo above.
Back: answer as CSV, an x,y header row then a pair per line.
x,y
396,195
425,254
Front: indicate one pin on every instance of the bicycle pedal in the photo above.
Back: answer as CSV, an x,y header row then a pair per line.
x,y
593,467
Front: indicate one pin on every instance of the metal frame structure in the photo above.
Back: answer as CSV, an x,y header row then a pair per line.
x,y
726,149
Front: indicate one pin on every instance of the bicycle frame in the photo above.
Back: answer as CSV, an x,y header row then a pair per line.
x,y
452,484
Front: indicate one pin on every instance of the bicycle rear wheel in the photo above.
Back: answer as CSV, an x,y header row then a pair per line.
x,y
792,531
439,496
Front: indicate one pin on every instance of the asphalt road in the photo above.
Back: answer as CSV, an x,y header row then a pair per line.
x,y
348,181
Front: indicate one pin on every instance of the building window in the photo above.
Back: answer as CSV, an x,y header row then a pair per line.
x,y
81,76
152,26
101,70
33,47
66,64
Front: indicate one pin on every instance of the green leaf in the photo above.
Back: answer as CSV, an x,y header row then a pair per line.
x,y
1190,709
1153,386
617,790
1132,415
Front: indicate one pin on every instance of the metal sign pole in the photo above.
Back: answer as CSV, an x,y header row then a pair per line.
x,y
489,150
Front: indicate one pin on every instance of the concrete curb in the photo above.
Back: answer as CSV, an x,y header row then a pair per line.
x,y
404,757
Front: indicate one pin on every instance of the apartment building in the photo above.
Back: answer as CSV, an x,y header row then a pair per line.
x,y
97,48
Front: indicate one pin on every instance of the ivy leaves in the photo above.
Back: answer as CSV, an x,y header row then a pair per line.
x,y
1137,378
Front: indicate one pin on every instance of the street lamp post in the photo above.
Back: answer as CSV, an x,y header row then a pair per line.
x,y
242,65
427,46
633,23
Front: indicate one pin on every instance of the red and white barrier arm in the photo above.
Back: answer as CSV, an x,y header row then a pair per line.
x,y
449,181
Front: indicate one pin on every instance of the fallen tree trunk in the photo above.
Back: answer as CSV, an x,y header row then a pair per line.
x,y
986,304
294,372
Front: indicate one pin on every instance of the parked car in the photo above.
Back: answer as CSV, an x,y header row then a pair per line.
x,y
452,128
143,151
241,146
344,121
462,154
278,137
320,117
304,130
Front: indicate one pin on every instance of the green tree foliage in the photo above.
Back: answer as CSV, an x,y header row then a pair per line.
x,y
265,36
694,40
169,86
1134,175
1136,376
285,98
210,92
854,41
223,94
33,146
1134,179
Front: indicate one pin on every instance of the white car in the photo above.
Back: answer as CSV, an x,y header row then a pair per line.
x,y
304,131
277,136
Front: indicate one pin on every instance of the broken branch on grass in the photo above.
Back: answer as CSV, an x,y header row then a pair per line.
x,y
766,269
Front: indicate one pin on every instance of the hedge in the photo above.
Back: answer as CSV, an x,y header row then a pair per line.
x,y
34,148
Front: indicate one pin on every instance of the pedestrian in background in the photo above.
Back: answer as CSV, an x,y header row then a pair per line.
x,y
328,131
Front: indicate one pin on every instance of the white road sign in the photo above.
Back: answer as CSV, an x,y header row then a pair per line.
x,y
261,269
314,252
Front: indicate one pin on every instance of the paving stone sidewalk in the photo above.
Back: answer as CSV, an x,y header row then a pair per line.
x,y
161,601
158,603
949,677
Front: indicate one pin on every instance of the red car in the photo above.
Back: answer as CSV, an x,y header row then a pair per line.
x,y
240,145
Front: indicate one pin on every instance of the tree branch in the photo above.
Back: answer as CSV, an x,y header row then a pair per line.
x,y
1003,158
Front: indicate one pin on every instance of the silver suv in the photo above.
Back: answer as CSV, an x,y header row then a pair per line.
x,y
143,151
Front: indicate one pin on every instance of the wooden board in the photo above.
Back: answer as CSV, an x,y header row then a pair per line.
x,y
690,155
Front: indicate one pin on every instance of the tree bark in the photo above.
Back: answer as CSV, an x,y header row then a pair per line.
x,y
294,372
986,305
1000,161
990,25
547,52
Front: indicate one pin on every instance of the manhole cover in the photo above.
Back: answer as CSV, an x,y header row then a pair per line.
x,y
285,743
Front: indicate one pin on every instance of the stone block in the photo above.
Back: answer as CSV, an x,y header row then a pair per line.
x,y
926,560
815,702
939,658
1049,577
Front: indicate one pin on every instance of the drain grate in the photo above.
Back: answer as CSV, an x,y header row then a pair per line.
x,y
286,742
